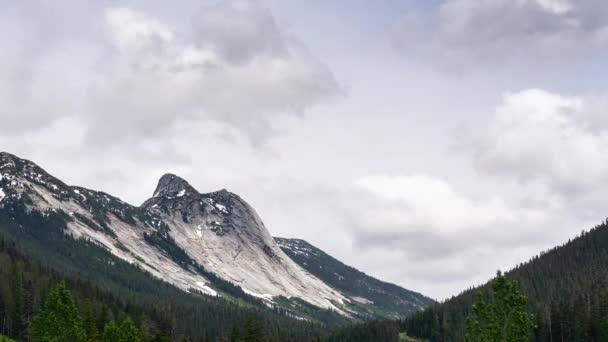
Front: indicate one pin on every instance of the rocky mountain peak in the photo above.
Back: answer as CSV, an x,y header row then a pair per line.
x,y
8,162
172,185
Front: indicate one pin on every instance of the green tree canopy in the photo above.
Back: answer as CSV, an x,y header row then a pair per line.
x,y
58,320
129,332
111,332
125,332
504,318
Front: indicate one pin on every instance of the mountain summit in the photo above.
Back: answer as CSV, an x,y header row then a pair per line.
x,y
172,185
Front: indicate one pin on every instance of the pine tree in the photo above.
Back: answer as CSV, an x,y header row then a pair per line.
x,y
504,318
58,320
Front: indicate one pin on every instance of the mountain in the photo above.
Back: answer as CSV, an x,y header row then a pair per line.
x,y
371,296
566,289
208,243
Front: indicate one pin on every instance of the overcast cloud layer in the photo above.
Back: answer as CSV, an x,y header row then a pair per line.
x,y
426,143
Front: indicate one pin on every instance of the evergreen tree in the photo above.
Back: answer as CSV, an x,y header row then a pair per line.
x,y
111,332
253,331
58,320
129,332
90,323
504,319
17,319
104,318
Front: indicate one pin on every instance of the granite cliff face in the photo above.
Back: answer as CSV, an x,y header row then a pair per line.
x,y
220,231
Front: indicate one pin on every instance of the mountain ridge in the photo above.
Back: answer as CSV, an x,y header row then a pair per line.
x,y
394,301
213,242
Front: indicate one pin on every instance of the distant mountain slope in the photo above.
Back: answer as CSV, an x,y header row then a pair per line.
x,y
567,288
210,243
374,298
35,255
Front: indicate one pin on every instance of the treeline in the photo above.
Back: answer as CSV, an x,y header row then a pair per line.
x,y
375,331
24,284
35,255
567,289
102,316
59,320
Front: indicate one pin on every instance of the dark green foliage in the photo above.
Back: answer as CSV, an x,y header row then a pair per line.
x,y
129,332
90,322
308,311
111,332
253,331
165,243
566,290
504,318
389,301
375,331
58,320
101,228
115,288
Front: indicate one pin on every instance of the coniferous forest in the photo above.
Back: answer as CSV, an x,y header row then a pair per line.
x,y
566,287
42,268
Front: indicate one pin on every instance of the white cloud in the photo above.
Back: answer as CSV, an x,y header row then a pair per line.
x,y
420,203
540,136
416,212
251,32
438,234
469,32
143,74
131,31
238,68
556,6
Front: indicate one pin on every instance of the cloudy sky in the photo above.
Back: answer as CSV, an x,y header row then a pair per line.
x,y
428,143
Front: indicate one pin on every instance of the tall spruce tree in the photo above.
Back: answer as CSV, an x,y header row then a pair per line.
x,y
111,332
90,322
129,332
504,318
58,320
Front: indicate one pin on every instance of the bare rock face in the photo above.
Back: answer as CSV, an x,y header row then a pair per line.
x,y
172,185
220,231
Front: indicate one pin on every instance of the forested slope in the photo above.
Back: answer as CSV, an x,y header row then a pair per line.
x,y
35,255
567,288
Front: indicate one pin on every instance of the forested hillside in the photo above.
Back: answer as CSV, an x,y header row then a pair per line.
x,y
567,288
35,259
